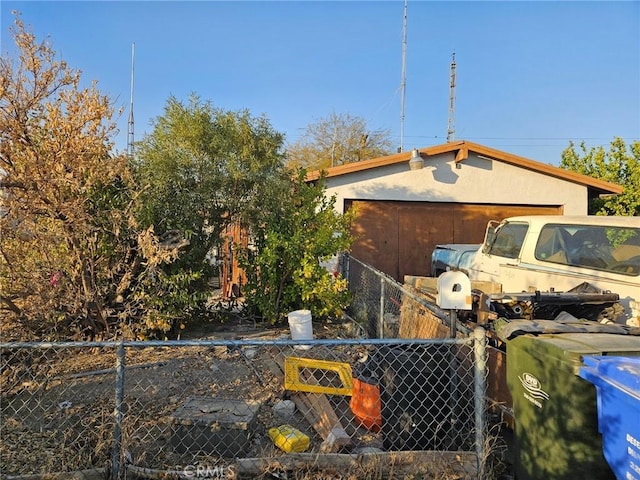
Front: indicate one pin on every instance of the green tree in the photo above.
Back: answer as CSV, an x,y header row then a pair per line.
x,y
619,165
199,168
72,254
290,239
336,140
203,169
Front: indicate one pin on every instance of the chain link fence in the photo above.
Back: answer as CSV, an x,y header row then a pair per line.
x,y
378,303
54,416
153,408
347,407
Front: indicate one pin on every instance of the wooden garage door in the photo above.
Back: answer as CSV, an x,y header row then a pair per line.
x,y
398,237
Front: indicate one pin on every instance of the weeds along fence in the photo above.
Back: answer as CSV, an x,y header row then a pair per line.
x,y
204,409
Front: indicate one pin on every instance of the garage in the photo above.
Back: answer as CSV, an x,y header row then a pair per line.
x,y
404,208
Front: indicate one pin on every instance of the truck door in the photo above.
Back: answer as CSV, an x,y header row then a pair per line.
x,y
502,248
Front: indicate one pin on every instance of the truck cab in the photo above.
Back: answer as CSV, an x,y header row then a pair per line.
x,y
558,253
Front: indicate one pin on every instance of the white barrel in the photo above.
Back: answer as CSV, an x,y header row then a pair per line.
x,y
300,326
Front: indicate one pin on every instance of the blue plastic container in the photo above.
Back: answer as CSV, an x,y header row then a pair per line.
x,y
617,381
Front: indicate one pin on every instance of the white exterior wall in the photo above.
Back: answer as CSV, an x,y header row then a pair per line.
x,y
478,180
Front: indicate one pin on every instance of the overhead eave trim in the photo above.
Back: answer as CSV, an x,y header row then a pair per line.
x,y
545,169
461,148
462,154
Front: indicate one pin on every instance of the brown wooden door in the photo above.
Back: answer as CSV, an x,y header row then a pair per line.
x,y
376,234
421,226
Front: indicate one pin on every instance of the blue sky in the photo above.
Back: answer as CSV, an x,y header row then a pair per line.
x,y
531,76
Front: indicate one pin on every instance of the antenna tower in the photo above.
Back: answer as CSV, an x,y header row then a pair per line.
x,y
130,124
403,81
452,101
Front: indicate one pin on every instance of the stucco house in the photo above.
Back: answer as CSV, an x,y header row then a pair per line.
x,y
447,194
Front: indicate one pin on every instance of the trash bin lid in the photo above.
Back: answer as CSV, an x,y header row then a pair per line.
x,y
569,349
623,372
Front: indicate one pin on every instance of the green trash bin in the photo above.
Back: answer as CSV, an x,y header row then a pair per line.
x,y
556,417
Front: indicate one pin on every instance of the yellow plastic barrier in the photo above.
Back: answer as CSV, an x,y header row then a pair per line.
x,y
308,383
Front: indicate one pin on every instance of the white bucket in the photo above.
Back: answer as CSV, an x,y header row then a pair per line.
x,y
301,327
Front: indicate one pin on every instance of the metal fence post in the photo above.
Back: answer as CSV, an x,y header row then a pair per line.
x,y
453,323
117,413
480,370
381,318
343,265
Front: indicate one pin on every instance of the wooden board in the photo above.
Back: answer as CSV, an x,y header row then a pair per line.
x,y
320,414
416,321
317,410
417,464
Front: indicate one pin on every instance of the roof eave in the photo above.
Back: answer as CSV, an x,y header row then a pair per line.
x,y
462,149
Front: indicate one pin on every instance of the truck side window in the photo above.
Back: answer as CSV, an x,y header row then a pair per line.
x,y
552,244
508,240
613,249
590,247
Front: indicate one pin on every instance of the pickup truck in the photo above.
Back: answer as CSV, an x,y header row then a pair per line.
x,y
555,253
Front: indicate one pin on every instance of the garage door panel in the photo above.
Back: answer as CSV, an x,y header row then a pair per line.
x,y
376,233
398,238
421,226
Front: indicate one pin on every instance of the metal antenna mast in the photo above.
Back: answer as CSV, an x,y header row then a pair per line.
x,y
452,101
403,81
130,125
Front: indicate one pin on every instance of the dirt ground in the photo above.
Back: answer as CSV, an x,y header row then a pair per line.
x,y
57,404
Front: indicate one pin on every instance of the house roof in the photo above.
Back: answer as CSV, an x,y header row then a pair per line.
x,y
461,149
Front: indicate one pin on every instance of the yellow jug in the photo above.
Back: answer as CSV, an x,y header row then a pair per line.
x,y
289,439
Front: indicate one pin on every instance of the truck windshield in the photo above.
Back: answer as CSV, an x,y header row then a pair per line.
x,y
508,239
613,249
